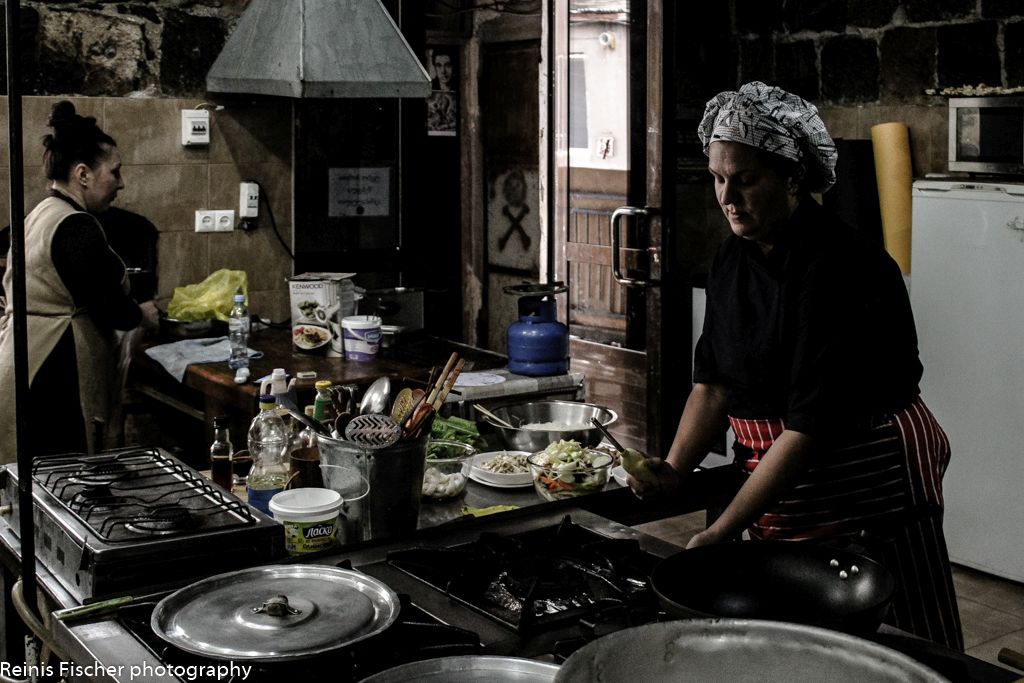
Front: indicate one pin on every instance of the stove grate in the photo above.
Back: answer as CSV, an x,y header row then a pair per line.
x,y
123,495
539,579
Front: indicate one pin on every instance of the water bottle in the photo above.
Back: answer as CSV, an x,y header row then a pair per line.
x,y
269,441
238,334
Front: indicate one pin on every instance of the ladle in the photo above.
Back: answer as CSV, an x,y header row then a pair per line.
x,y
495,418
608,435
375,400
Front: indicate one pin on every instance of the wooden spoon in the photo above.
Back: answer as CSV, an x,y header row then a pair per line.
x,y
403,405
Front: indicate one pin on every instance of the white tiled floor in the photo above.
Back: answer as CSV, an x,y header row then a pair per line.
x,y
991,608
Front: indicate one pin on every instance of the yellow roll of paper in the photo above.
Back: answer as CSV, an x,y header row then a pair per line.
x,y
891,144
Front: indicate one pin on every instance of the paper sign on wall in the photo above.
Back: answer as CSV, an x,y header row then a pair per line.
x,y
359,192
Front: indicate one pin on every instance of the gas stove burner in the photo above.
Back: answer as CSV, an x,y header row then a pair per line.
x,y
101,473
162,520
92,499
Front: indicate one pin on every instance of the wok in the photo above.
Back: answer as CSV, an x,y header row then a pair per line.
x,y
776,580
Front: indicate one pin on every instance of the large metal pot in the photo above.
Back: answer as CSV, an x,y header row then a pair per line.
x,y
469,668
275,613
776,580
539,412
738,651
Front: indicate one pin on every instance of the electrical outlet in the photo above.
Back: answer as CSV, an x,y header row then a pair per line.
x,y
206,221
224,220
195,127
248,200
215,221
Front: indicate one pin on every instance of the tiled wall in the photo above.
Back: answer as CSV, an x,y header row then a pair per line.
x,y
167,183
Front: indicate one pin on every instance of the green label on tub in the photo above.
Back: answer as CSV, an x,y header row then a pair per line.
x,y
309,537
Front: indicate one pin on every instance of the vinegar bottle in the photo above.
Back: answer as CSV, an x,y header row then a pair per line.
x,y
221,451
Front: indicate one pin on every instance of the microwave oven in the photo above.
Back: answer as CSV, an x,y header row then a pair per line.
x,y
986,135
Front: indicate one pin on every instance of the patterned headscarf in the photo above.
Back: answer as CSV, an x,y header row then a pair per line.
x,y
776,121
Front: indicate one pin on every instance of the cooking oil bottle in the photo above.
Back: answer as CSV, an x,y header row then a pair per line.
x,y
269,443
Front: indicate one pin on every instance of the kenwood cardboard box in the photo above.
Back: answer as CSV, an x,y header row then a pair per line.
x,y
318,303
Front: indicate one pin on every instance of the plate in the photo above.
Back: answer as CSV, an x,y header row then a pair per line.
x,y
474,477
310,336
478,379
482,476
619,475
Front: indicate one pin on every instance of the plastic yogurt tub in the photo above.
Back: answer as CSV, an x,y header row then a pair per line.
x,y
309,516
361,335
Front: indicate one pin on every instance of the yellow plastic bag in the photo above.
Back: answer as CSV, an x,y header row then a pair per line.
x,y
211,298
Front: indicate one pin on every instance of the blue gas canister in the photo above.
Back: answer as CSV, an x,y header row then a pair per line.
x,y
538,345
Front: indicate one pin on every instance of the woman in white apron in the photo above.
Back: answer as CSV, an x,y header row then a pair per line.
x,y
76,297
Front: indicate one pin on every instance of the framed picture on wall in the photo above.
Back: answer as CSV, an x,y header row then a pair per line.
x,y
442,105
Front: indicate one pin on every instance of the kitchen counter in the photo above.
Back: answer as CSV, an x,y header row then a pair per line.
x,y
209,389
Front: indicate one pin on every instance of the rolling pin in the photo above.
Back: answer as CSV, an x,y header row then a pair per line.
x,y
1011,657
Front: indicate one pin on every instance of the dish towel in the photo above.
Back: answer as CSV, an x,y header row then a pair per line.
x,y
176,356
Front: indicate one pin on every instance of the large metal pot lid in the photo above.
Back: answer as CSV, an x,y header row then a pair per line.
x,y
275,613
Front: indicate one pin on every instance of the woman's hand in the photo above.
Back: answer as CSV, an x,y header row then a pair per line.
x,y
659,479
709,536
150,316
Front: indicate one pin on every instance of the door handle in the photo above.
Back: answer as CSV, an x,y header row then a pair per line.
x,y
616,220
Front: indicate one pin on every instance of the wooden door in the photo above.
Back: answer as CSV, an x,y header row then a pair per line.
x,y
613,147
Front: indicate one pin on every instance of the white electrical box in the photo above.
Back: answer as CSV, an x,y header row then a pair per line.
x,y
195,127
248,200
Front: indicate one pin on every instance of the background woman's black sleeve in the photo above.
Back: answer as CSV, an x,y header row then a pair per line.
x,y
93,273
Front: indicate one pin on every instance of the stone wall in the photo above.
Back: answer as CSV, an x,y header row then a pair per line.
x,y
122,48
862,61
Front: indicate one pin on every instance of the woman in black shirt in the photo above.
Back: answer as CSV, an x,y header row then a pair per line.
x,y
809,353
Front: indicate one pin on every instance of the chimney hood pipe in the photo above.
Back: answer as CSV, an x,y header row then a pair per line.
x,y
318,48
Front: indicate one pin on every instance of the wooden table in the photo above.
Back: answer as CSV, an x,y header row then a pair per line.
x,y
209,389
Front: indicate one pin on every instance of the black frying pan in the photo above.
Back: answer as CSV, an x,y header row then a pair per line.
x,y
797,582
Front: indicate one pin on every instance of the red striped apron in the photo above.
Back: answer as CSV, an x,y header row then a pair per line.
x,y
882,488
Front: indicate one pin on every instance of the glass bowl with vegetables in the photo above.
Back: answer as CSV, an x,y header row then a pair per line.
x,y
566,469
446,469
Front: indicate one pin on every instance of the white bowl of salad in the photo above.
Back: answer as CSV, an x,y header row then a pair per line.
x,y
502,469
566,469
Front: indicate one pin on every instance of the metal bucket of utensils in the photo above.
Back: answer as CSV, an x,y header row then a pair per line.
x,y
381,487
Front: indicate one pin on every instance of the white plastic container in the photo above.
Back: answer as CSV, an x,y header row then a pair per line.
x,y
310,518
361,334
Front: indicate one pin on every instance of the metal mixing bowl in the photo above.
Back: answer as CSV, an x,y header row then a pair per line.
x,y
567,413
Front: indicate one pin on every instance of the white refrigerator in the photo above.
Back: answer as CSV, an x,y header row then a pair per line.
x,y
967,291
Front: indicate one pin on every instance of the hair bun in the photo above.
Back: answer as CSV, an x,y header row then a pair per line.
x,y
63,112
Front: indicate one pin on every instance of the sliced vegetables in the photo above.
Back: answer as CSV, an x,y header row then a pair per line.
x,y
565,469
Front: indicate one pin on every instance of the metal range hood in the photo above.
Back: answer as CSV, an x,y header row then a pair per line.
x,y
318,48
